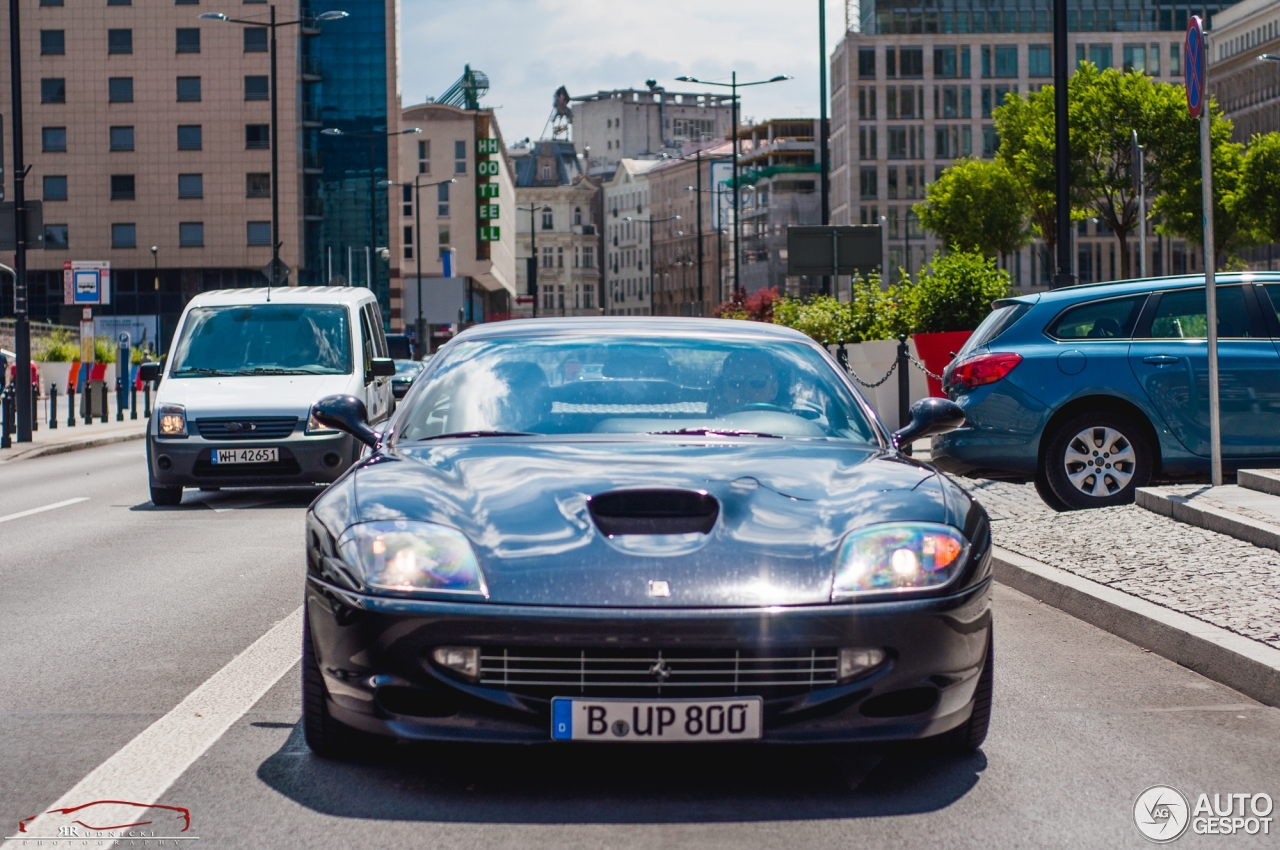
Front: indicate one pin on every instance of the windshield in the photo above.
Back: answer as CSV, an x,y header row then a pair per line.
x,y
289,339
564,385
407,368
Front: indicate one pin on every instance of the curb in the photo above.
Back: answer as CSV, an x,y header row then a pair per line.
x,y
1250,667
70,446
1182,509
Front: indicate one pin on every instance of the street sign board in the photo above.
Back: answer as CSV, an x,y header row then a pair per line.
x,y
282,271
487,190
833,249
484,146
1193,69
723,204
86,282
35,225
487,168
490,233
487,211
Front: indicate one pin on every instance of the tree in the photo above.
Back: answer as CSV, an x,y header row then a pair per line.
x,y
956,292
756,308
976,205
1257,196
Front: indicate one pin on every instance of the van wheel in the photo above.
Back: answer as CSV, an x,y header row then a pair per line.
x,y
165,497
1097,459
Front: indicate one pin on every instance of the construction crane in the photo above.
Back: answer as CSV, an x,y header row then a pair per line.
x,y
467,91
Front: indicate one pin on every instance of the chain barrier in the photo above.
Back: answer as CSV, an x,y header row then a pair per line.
x,y
923,368
858,378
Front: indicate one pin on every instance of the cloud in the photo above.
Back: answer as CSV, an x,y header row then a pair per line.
x,y
530,47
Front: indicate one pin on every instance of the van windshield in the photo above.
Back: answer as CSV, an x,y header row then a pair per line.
x,y
264,339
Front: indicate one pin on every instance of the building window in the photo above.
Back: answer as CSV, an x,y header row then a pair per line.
x,y
866,101
867,182
1175,60
55,187
53,139
53,42
577,215
406,198
187,40
191,234
53,90
255,40
1007,61
944,62
1153,60
188,89
122,186
257,88
56,237
546,171
1135,58
989,141
190,137
891,183
186,2
442,234
588,258
257,185
911,61
548,258
53,3
547,223
459,157
120,90
119,41
1039,60
257,136
559,258
867,143
124,236
259,233
190,185
424,157
121,138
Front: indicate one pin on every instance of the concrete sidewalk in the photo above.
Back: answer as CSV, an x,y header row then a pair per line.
x,y
51,441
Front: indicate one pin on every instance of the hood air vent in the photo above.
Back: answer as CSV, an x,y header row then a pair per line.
x,y
654,512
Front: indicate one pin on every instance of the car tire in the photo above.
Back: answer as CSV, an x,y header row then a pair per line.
x,y
166,497
1046,494
1102,437
327,737
968,736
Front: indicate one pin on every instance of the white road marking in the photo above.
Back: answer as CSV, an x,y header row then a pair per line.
x,y
146,766
40,510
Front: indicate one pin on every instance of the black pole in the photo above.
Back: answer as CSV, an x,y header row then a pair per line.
x,y
1062,147
737,228
373,222
273,280
533,269
824,127
652,282
155,267
904,389
419,329
698,193
22,327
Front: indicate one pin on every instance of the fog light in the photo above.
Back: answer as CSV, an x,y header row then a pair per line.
x,y
854,662
459,659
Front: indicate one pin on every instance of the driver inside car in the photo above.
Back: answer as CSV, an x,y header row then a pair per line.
x,y
747,378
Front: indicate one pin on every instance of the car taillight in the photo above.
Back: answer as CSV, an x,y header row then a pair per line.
x,y
985,368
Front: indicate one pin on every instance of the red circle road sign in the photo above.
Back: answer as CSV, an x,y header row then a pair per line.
x,y
1194,67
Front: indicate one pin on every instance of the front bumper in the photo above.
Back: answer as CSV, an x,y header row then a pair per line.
x,y
374,654
303,460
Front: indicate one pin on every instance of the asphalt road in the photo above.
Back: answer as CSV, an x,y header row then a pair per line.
x,y
112,611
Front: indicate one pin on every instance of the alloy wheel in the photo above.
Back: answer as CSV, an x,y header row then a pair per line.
x,y
1099,461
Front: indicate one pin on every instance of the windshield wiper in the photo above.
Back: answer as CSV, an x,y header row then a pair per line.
x,y
200,370
276,370
482,434
718,432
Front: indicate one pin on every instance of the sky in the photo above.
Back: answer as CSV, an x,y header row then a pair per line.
x,y
528,48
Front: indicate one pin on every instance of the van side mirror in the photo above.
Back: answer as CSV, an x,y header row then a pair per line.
x,y
150,371
382,367
346,413
929,416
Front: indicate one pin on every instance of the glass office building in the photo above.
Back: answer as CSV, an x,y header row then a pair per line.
x,y
1013,16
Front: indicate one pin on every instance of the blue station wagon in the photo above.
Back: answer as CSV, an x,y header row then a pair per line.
x,y
1095,390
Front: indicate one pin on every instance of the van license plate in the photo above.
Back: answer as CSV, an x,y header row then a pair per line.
x,y
221,456
655,721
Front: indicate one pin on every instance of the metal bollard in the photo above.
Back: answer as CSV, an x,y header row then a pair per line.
x,y
71,405
146,395
6,418
119,399
86,401
842,356
904,390
103,411
53,406
35,406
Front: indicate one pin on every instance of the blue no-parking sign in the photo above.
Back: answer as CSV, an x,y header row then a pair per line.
x,y
1194,68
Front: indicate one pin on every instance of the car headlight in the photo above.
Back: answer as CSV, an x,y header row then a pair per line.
x,y
172,420
401,556
314,426
897,558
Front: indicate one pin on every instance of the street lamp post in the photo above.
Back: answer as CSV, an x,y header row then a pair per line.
x,y
22,326
155,267
419,329
733,86
531,269
652,221
1062,148
272,26
373,182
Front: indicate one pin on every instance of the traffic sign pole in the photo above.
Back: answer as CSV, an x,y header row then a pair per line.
x,y
1198,105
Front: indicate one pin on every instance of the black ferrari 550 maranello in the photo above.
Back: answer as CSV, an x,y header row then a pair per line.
x,y
629,530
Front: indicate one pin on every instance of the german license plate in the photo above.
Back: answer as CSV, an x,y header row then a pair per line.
x,y
221,456
655,721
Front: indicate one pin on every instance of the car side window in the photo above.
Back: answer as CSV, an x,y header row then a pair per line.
x,y
366,339
1273,292
1181,315
1113,318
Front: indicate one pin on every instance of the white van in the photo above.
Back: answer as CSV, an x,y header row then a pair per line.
x,y
239,380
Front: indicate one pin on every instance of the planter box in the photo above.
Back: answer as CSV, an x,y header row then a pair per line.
x,y
56,372
936,351
870,360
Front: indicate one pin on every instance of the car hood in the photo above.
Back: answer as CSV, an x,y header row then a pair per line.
x,y
784,507
251,395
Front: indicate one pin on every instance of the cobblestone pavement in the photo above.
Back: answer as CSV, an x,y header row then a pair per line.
x,y
1206,575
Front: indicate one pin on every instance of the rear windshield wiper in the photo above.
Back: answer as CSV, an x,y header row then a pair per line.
x,y
482,434
718,432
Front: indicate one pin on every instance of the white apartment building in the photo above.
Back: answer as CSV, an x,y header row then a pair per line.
x,y
627,276
610,126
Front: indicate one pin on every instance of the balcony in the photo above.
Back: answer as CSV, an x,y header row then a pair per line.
x,y
311,162
311,116
313,209
310,69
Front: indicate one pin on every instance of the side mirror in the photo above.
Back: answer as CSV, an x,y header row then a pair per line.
x,y
346,413
382,367
150,371
929,416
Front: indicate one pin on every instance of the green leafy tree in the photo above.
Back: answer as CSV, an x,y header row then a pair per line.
x,y
955,292
1257,196
976,204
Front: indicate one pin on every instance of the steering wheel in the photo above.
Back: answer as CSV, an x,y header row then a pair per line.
x,y
759,405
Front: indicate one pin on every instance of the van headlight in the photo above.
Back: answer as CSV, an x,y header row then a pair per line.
x,y
897,558
418,558
314,426
172,420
